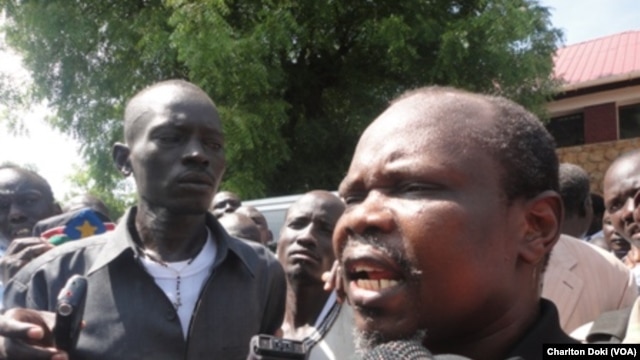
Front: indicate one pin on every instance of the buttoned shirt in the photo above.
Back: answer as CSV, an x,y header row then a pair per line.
x,y
129,317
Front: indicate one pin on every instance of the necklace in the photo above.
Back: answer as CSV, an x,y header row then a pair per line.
x,y
178,274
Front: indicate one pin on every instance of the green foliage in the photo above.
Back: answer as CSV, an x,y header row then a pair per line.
x,y
296,81
116,198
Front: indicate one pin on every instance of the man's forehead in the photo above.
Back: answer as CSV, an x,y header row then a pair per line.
x,y
12,181
440,125
622,173
319,206
439,116
169,101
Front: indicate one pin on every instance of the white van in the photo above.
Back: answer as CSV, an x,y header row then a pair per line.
x,y
274,210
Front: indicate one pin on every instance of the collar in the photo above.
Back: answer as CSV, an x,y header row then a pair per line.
x,y
120,242
328,305
546,330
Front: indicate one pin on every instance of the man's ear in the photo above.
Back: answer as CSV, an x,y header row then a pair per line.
x,y
543,221
120,156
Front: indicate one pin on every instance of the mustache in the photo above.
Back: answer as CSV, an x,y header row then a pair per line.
x,y
397,255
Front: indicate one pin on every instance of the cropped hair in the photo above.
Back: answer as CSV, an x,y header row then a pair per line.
x,y
574,189
518,142
131,104
32,174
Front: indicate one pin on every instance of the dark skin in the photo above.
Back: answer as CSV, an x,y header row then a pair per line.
x,y
240,226
24,200
305,252
616,243
427,222
256,216
225,202
622,196
175,151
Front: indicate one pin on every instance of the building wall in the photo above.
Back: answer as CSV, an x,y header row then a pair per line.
x,y
596,158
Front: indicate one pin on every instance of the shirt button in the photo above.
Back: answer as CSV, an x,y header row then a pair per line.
x,y
171,315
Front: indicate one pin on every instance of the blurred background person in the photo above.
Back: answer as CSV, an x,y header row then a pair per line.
x,y
241,226
224,202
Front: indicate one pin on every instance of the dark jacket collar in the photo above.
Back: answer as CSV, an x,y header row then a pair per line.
x,y
546,330
120,242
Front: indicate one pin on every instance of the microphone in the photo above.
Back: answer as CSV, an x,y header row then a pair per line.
x,y
405,350
398,350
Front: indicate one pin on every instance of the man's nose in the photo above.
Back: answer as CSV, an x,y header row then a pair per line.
x,y
371,215
307,238
195,153
16,215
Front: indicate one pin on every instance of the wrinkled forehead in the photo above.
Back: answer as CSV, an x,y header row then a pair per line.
x,y
421,121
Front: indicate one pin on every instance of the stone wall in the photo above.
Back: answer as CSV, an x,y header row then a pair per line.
x,y
596,158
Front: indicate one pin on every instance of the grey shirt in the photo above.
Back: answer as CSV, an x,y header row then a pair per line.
x,y
129,317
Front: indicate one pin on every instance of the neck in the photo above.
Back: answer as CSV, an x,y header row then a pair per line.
x,y
304,305
495,335
168,237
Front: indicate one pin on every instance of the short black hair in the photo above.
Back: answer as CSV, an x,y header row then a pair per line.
x,y
574,189
519,142
131,104
32,174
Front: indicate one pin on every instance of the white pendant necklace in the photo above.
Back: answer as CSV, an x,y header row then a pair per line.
x,y
178,273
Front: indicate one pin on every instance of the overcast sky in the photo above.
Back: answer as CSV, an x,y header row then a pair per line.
x,y
54,154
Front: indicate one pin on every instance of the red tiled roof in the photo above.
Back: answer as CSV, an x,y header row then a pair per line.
x,y
599,61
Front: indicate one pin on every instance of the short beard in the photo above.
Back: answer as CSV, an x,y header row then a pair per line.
x,y
367,340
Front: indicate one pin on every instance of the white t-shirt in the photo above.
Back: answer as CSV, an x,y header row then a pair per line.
x,y
193,273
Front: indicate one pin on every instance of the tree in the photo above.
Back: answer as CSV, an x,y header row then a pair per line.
x,y
295,81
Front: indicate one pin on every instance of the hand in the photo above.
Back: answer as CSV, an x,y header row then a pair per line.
x,y
26,334
333,281
19,253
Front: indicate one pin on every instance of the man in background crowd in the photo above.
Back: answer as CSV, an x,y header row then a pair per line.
x,y
224,202
241,226
266,236
304,250
574,190
581,279
621,187
25,199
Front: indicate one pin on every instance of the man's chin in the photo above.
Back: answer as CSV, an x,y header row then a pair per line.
x,y
366,340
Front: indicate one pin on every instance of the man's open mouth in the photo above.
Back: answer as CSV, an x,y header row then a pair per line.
x,y
369,274
369,278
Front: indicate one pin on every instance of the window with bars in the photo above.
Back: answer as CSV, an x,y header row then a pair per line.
x,y
567,130
629,121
